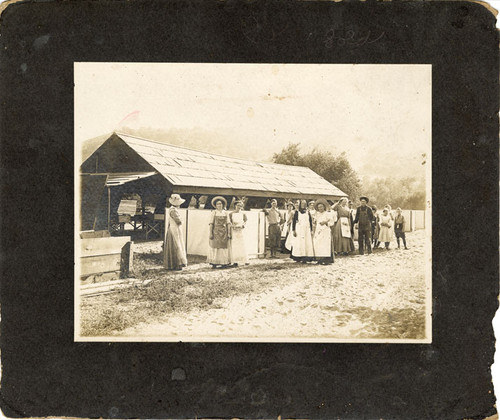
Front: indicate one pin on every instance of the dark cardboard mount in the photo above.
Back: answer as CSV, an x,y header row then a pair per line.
x,y
45,373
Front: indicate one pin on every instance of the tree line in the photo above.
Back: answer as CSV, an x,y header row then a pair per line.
x,y
406,192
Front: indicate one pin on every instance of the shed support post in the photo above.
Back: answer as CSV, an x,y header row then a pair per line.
x,y
109,209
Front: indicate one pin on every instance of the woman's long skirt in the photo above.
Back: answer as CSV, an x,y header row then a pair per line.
x,y
219,256
385,234
238,249
175,252
341,244
302,244
322,241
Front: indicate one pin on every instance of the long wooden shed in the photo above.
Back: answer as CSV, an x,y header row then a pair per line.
x,y
151,167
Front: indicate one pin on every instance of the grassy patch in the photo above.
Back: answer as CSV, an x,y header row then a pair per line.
x,y
108,320
407,323
147,262
173,293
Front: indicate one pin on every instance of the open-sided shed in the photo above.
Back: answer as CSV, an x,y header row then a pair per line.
x,y
155,170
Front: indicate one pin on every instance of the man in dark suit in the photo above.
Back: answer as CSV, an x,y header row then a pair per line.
x,y
364,218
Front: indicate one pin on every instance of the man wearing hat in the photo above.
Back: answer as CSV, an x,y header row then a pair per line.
x,y
364,218
275,220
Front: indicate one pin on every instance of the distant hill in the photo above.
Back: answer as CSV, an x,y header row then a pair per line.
x,y
369,163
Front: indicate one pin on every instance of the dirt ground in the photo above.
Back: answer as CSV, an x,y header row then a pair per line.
x,y
379,296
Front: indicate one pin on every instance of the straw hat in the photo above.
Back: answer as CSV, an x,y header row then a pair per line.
x,y
321,201
218,198
176,200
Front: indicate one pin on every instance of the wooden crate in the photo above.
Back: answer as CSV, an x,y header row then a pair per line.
x,y
124,218
104,255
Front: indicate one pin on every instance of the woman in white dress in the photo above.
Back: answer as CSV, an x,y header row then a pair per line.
x,y
322,235
174,257
287,227
385,234
238,249
302,244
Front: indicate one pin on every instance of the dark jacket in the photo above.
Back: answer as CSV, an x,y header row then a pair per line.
x,y
369,213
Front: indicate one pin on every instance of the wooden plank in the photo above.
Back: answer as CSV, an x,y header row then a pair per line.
x,y
101,284
103,246
100,264
94,234
110,288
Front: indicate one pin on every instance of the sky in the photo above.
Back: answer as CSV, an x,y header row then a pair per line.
x,y
379,115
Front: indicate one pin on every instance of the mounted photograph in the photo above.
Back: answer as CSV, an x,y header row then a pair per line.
x,y
238,202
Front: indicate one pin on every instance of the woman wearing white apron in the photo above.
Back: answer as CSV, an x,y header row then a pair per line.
x,y
238,220
322,236
302,244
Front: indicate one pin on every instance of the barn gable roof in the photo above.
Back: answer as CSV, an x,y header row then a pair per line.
x,y
192,169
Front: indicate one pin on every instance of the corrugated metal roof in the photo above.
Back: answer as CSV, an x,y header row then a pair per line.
x,y
186,167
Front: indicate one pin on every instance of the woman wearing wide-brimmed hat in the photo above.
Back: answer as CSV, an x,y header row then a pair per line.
x,y
220,233
322,235
238,220
174,251
342,232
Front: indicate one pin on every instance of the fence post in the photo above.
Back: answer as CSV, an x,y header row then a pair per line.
x,y
127,258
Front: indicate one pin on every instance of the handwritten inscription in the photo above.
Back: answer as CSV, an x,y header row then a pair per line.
x,y
351,38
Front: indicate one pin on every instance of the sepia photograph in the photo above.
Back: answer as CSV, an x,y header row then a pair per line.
x,y
238,202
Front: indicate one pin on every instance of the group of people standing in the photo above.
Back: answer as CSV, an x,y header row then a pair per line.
x,y
316,231
226,243
313,231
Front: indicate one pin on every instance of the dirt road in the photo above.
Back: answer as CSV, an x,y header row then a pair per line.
x,y
377,296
